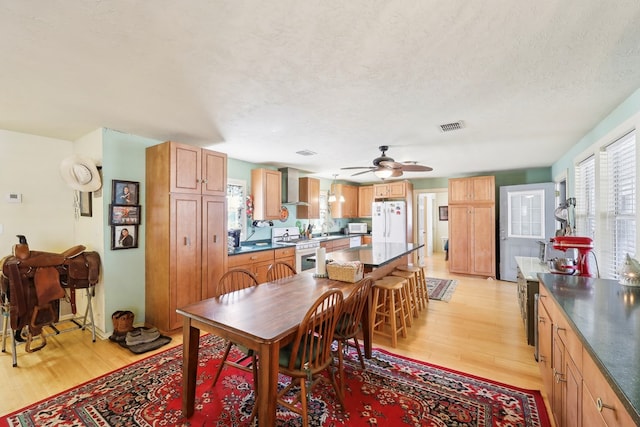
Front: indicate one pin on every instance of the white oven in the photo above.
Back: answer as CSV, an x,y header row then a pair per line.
x,y
302,258
305,248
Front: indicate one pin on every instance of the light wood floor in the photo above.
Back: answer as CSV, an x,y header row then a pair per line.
x,y
479,332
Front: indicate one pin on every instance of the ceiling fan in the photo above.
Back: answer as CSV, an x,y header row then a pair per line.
x,y
385,167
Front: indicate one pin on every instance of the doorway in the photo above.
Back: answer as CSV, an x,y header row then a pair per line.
x,y
430,231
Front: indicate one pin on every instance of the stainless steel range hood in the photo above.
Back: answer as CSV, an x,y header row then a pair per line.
x,y
290,187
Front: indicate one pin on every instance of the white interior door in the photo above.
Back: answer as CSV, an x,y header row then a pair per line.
x,y
526,217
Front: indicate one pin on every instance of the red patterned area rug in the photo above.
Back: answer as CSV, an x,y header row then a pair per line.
x,y
392,391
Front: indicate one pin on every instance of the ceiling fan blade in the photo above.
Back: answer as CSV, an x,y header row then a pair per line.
x,y
360,173
396,173
416,168
390,164
356,167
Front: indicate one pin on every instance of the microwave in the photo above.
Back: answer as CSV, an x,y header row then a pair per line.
x,y
358,228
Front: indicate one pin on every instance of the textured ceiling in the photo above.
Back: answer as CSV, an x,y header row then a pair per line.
x,y
261,80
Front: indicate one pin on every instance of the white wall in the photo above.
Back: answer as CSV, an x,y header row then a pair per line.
x,y
30,165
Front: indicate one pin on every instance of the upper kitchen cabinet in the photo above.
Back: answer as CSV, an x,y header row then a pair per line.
x,y
481,189
365,200
267,193
194,170
348,208
392,190
309,192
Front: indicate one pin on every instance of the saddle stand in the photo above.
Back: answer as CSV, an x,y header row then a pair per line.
x,y
31,286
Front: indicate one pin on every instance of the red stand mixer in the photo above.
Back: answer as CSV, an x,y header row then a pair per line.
x,y
583,245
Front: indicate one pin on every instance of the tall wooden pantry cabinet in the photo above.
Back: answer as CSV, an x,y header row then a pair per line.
x,y
472,240
186,231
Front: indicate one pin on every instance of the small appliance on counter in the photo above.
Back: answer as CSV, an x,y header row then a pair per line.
x,y
579,265
357,228
234,238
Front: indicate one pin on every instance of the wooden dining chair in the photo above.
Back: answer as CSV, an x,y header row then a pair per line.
x,y
309,354
235,280
350,324
280,270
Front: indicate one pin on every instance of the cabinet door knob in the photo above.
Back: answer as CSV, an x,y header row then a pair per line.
x,y
187,241
215,238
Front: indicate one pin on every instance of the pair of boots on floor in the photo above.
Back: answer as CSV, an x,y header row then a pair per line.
x,y
123,329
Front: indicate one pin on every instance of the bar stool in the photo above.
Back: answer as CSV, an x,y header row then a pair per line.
x,y
415,304
421,282
388,308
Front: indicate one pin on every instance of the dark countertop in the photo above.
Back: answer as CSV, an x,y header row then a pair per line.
x,y
374,255
261,245
247,247
606,316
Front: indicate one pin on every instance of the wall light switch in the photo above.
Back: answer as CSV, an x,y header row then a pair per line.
x,y
14,198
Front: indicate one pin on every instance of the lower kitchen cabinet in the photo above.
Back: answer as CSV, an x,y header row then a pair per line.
x,y
256,262
578,392
286,254
600,405
335,244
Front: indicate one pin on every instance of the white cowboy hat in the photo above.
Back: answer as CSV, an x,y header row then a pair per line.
x,y
80,173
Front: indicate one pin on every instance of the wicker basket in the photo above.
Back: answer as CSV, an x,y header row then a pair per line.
x,y
345,271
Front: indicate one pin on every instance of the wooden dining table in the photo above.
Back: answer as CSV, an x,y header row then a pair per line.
x,y
262,318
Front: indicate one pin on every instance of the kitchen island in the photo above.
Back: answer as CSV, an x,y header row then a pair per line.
x,y
378,259
589,344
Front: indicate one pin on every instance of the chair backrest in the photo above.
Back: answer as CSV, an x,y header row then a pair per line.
x,y
312,344
279,270
349,323
236,279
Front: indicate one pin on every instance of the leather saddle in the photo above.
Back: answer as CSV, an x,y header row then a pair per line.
x,y
32,282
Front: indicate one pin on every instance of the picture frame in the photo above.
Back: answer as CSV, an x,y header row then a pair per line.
x,y
125,192
124,237
443,213
125,215
85,203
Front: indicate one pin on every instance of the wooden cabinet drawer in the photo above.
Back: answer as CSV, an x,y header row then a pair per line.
x,y
572,343
596,388
235,261
287,252
340,244
545,299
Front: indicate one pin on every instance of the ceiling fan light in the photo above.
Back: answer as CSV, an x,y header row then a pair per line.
x,y
383,173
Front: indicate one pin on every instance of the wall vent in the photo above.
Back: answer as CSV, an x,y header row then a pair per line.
x,y
450,127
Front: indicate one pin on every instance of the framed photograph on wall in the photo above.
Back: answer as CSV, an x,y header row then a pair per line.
x,y
124,237
84,203
443,213
125,192
124,215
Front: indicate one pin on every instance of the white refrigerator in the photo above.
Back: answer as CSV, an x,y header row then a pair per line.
x,y
389,222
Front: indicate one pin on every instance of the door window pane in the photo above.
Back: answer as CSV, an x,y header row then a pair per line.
x,y
526,214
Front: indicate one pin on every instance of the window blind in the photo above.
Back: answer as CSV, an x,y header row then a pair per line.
x,y
618,171
585,210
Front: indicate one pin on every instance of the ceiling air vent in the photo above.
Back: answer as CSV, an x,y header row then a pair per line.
x,y
449,127
306,153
